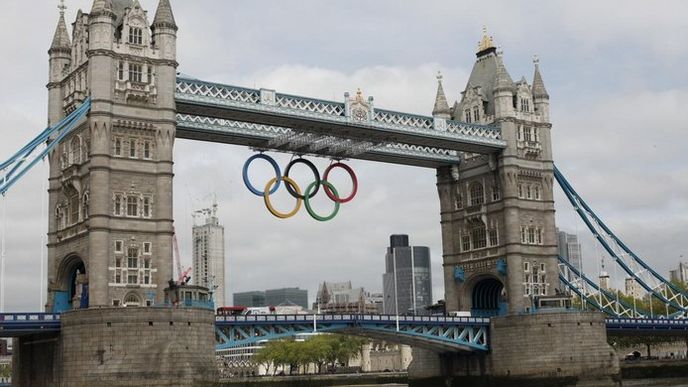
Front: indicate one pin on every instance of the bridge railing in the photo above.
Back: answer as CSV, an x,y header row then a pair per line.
x,y
28,317
350,318
194,90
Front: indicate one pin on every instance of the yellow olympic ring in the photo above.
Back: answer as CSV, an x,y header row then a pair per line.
x,y
268,204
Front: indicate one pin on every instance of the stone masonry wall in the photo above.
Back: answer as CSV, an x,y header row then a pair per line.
x,y
551,345
137,347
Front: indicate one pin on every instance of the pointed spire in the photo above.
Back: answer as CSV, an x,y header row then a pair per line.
x,y
441,108
539,90
503,80
61,39
164,16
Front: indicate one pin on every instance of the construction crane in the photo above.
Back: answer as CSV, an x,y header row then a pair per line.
x,y
182,276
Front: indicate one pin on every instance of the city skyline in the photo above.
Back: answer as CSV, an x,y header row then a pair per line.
x,y
623,102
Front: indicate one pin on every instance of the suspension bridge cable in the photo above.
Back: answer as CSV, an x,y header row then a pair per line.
x,y
677,299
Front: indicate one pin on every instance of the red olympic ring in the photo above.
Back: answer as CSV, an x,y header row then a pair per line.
x,y
354,180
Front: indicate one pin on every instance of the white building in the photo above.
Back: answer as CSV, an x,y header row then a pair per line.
x,y
209,254
633,288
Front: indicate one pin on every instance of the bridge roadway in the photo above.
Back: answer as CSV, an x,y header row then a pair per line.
x,y
432,332
265,119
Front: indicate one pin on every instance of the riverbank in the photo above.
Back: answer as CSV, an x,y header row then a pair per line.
x,y
320,380
654,369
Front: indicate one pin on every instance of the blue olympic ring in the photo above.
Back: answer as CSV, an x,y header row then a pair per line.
x,y
278,174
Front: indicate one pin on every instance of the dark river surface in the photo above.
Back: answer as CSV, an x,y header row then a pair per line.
x,y
674,382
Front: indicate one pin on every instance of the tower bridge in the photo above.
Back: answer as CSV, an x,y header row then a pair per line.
x,y
116,106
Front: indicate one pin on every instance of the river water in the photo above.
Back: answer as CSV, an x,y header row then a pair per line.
x,y
674,382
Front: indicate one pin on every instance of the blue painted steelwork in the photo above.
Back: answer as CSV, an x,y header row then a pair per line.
x,y
592,294
647,277
638,326
20,324
28,156
462,333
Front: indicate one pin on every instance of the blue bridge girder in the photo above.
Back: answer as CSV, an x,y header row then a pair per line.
x,y
434,332
647,326
268,120
21,324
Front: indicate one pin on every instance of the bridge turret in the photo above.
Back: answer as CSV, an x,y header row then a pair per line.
x,y
60,60
503,91
498,216
540,95
441,108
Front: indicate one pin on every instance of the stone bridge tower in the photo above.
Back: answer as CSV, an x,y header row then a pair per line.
x,y
110,192
498,227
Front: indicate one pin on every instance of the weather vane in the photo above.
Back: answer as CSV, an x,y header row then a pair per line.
x,y
62,7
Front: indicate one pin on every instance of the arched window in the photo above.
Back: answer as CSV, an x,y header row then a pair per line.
x,y
132,300
477,194
75,151
73,203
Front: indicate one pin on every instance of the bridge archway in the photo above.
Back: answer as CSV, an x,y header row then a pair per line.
x,y
487,297
72,282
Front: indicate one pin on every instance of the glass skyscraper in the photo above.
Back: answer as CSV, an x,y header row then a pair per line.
x,y
407,282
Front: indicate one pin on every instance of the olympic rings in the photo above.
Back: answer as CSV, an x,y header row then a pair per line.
x,y
316,174
272,162
294,189
333,195
312,213
266,197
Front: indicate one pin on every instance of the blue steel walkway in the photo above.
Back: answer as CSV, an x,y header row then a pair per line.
x,y
434,332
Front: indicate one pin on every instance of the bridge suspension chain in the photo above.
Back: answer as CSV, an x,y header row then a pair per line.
x,y
638,269
14,168
593,294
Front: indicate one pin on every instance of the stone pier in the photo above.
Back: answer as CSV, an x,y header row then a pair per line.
x,y
548,349
121,347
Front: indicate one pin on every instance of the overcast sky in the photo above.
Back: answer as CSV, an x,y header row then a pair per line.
x,y
615,71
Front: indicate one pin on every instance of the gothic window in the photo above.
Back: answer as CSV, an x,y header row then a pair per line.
x,y
135,35
118,277
531,235
494,241
135,72
132,206
467,113
537,192
147,150
149,75
119,247
496,195
524,238
118,263
132,299
73,200
476,113
146,207
132,148
75,150
120,70
465,242
525,105
118,205
538,236
520,190
147,248
536,135
528,192
118,146
479,237
526,266
527,136
520,133
477,194
86,205
133,258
